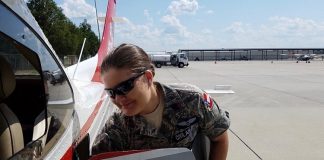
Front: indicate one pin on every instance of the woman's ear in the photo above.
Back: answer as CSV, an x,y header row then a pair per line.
x,y
149,76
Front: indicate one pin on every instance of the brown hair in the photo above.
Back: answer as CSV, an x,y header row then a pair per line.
x,y
127,56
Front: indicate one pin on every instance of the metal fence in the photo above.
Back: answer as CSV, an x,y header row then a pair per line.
x,y
250,54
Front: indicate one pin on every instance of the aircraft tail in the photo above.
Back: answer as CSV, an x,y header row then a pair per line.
x,y
89,70
107,39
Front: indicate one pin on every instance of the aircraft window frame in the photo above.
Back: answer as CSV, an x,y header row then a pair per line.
x,y
40,48
23,34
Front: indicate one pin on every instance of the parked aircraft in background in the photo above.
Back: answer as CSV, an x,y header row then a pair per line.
x,y
47,111
304,57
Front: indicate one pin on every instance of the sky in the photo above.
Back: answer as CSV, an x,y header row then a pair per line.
x,y
169,25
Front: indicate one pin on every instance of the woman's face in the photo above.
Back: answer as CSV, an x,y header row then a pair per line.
x,y
136,99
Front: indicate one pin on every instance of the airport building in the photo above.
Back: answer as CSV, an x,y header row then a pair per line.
x,y
234,54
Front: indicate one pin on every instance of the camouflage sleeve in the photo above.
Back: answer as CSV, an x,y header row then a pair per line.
x,y
214,120
111,138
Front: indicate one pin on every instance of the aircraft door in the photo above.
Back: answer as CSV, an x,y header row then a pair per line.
x,y
43,99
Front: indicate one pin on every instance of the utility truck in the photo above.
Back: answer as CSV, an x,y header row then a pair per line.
x,y
169,58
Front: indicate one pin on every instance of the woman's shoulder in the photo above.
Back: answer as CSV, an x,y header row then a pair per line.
x,y
186,92
184,87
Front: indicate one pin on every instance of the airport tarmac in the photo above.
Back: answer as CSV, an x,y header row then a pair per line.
x,y
277,108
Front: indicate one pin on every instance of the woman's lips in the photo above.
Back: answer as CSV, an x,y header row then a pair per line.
x,y
128,105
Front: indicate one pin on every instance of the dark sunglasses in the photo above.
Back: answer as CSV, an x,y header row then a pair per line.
x,y
123,88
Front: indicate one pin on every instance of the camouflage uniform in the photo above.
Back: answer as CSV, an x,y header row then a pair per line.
x,y
187,111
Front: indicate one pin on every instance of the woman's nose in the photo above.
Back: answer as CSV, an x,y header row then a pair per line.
x,y
120,98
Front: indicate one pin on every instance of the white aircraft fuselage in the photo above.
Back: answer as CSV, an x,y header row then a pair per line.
x,y
54,112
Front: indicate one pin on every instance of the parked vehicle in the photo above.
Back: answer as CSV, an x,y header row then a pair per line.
x,y
57,77
174,59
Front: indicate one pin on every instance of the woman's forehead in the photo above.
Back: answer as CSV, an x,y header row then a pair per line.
x,y
119,72
116,75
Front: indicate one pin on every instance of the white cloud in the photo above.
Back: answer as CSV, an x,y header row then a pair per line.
x,y
235,28
152,38
173,24
296,26
209,12
148,17
142,35
206,31
80,9
146,13
168,36
171,36
172,21
77,9
277,32
178,7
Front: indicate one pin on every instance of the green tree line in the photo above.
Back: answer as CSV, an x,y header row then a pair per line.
x,y
65,37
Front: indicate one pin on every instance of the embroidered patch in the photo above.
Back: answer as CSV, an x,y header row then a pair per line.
x,y
208,101
183,133
185,129
186,123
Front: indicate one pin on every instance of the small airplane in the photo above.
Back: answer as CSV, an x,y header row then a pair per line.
x,y
48,111
304,57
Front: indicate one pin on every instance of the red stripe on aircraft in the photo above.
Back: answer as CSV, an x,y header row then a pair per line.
x,y
68,154
83,132
106,39
88,123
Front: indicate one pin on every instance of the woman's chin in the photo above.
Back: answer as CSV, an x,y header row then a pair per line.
x,y
129,110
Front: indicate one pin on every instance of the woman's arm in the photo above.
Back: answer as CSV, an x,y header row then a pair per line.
x,y
219,147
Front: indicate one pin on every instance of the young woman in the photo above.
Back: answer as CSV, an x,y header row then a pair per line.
x,y
154,115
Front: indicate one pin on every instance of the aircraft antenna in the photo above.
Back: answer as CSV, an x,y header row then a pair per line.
x,y
99,38
79,57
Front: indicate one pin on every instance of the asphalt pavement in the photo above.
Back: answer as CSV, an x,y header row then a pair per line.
x,y
277,108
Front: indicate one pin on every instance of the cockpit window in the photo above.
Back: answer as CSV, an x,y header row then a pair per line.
x,y
27,100
42,99
19,64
